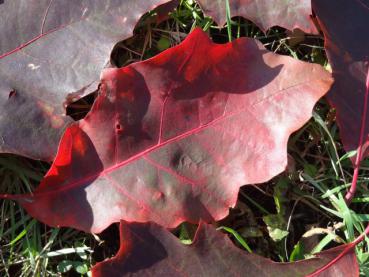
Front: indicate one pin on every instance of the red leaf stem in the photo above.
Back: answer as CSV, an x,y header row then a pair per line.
x,y
350,194
342,254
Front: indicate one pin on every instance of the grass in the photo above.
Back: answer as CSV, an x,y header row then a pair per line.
x,y
295,215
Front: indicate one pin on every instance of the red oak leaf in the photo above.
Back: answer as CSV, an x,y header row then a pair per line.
x,y
51,53
150,250
172,139
347,46
265,14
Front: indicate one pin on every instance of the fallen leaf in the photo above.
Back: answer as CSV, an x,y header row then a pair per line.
x,y
150,250
347,45
172,139
51,53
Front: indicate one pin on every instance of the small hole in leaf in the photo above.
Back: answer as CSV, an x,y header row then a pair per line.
x,y
12,93
118,127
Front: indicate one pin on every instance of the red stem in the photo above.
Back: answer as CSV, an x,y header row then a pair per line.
x,y
350,194
343,253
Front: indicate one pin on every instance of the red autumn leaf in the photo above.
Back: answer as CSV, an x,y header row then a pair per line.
x,y
52,52
172,139
265,14
347,46
150,250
